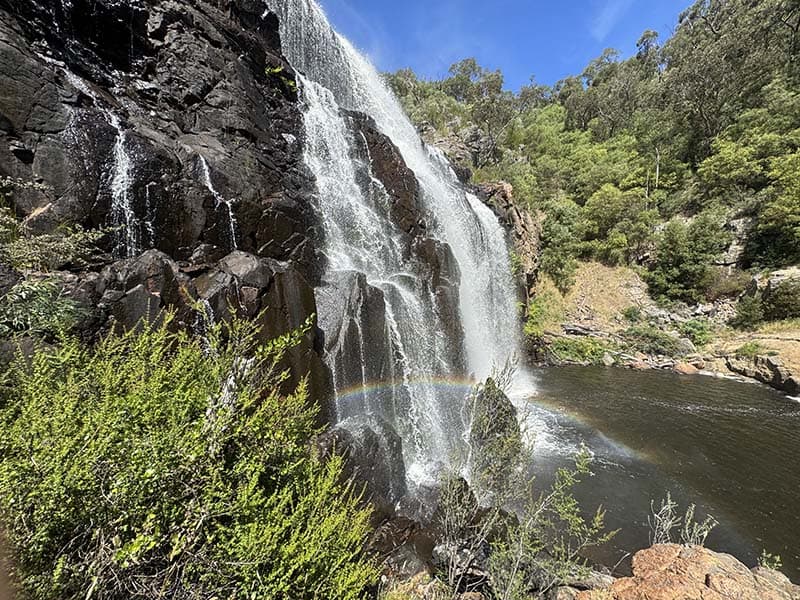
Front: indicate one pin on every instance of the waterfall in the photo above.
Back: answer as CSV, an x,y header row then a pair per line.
x,y
360,237
219,200
122,216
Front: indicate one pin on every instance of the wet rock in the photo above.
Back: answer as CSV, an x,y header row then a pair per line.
x,y
185,81
669,572
525,229
494,435
388,166
373,455
352,314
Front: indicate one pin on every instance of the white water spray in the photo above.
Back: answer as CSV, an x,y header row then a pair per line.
x,y
122,216
361,236
220,200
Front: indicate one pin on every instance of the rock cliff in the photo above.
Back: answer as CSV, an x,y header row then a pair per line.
x,y
176,126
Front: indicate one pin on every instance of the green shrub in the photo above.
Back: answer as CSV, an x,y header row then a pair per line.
x,y
544,310
632,314
578,349
770,561
751,350
682,267
697,330
651,340
37,307
749,313
157,466
783,302
724,285
44,252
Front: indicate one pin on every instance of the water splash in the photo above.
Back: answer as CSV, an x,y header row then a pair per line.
x,y
219,200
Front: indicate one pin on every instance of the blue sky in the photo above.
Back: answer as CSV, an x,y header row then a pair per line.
x,y
548,39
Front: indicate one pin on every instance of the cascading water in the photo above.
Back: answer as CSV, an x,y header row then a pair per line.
x,y
219,200
361,237
122,216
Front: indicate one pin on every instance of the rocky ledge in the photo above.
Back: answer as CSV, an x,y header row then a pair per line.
x,y
672,572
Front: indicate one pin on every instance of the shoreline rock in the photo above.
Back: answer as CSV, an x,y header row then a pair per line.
x,y
671,572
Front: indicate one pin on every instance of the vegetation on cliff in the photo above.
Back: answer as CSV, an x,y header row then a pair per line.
x,y
655,160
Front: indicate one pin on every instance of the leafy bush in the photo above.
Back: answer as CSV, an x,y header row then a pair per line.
x,y
697,330
578,349
543,547
632,314
45,252
724,285
749,313
682,268
157,466
750,350
784,301
770,561
37,307
651,340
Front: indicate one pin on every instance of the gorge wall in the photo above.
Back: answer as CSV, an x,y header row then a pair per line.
x,y
177,126
245,159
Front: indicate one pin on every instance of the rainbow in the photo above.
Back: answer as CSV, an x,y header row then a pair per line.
x,y
462,385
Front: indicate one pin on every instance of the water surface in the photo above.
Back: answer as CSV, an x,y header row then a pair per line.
x,y
730,447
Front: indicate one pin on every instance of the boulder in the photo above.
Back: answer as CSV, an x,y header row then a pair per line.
x,y
495,438
766,369
683,368
672,572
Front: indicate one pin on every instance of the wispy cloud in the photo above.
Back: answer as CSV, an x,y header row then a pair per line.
x,y
608,17
368,37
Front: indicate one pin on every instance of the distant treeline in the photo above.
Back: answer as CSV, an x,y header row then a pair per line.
x,y
656,160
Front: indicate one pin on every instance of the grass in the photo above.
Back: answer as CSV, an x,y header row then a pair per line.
x,y
545,311
785,326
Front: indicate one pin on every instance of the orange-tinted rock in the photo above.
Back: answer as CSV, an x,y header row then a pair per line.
x,y
672,572
686,369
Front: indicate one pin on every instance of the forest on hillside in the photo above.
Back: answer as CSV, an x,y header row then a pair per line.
x,y
659,160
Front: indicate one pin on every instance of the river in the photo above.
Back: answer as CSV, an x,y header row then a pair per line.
x,y
729,447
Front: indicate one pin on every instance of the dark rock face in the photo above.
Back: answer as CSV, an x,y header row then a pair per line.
x,y
189,113
388,166
186,83
8,279
525,229
373,454
353,316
